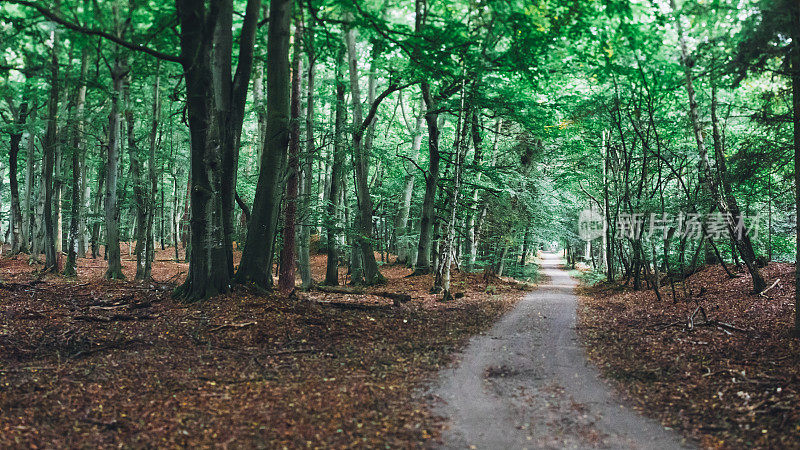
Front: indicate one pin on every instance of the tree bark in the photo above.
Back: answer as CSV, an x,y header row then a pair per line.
x,y
30,156
286,280
18,243
101,178
153,176
402,235
139,189
215,104
50,143
372,274
78,149
428,218
114,270
308,163
332,268
255,265
446,258
471,243
795,65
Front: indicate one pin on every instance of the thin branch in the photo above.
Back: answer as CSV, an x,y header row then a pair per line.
x,y
92,32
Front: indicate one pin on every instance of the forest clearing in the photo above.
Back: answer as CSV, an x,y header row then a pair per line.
x,y
397,223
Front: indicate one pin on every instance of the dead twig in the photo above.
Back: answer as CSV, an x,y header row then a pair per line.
x,y
232,325
764,292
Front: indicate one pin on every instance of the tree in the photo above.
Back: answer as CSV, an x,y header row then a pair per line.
x,y
256,262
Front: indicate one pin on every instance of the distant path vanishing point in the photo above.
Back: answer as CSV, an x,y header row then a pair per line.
x,y
527,384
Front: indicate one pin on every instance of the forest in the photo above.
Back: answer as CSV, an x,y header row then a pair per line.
x,y
290,216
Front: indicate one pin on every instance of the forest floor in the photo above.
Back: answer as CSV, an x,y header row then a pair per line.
x,y
730,382
527,384
87,362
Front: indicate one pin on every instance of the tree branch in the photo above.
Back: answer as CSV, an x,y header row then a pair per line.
x,y
92,32
374,107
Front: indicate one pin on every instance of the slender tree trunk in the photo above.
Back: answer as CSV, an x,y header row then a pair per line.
x,y
30,156
428,218
18,243
501,264
139,190
372,274
101,178
477,227
477,139
112,212
153,177
84,207
261,111
286,280
332,269
446,258
78,149
729,208
401,221
402,235
175,215
308,163
608,235
50,144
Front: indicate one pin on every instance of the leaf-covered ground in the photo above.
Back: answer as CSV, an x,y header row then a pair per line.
x,y
734,389
91,363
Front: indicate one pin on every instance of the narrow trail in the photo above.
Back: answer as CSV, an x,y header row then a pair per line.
x,y
527,384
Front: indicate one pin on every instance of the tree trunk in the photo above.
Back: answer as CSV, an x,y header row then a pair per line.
x,y
372,274
332,268
286,280
18,243
153,176
501,264
608,233
477,139
139,190
78,149
215,104
446,258
256,260
431,183
175,214
729,208
30,156
84,207
50,143
402,235
261,111
101,178
308,162
795,65
401,222
112,212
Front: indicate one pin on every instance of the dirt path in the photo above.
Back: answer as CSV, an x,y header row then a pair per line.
x,y
527,384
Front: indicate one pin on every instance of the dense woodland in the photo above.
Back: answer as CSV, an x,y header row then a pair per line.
x,y
450,135
273,223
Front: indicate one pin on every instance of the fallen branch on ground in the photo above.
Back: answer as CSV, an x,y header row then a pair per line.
x,y
232,325
764,292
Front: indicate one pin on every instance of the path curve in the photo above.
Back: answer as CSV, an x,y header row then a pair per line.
x,y
527,384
